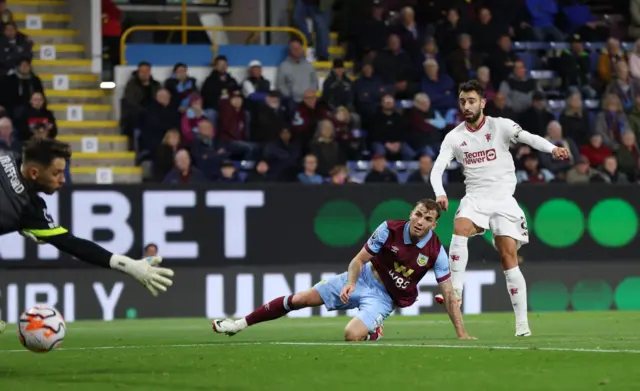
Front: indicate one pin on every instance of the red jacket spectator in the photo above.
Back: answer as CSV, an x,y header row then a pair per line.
x,y
233,119
595,150
191,117
306,117
111,26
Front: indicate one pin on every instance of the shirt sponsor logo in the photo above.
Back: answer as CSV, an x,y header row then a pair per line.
x,y
471,158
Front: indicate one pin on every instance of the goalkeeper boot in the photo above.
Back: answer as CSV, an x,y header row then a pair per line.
x,y
226,326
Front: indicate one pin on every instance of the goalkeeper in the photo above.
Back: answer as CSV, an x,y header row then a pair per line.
x,y
24,211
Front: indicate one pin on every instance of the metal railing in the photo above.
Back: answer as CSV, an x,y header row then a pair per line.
x,y
214,46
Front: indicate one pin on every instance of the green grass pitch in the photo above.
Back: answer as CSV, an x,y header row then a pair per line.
x,y
569,351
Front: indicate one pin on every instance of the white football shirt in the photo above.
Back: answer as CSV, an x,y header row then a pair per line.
x,y
484,156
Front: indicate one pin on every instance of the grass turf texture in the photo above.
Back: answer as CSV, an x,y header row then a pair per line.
x,y
309,354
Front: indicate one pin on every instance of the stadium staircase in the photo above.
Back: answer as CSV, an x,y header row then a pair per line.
x,y
97,122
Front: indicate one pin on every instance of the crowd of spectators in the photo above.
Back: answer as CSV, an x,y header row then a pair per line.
x,y
399,105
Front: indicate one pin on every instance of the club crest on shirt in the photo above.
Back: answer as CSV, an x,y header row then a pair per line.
x,y
422,260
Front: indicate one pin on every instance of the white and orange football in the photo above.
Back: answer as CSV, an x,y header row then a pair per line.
x,y
41,329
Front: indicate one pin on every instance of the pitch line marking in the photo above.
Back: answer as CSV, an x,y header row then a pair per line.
x,y
342,344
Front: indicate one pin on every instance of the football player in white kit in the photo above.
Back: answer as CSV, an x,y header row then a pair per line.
x,y
481,146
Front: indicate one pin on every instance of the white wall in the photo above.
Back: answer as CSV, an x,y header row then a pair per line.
x,y
123,74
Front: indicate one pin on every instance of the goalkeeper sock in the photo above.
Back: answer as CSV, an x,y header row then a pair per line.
x,y
517,287
274,309
458,258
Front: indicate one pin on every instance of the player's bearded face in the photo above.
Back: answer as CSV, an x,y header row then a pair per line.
x,y
471,106
49,179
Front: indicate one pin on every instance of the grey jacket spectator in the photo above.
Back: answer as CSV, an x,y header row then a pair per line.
x,y
295,74
519,88
581,172
611,122
555,137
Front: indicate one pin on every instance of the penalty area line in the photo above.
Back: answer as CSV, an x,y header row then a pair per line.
x,y
341,344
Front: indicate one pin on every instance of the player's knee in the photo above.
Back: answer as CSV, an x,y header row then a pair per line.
x,y
350,334
463,227
309,298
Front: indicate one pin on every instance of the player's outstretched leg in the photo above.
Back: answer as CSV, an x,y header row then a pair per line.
x,y
516,284
274,309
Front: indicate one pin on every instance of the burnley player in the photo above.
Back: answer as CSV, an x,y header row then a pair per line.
x,y
401,252
481,145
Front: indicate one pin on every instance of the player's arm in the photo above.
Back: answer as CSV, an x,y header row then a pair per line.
x,y
444,158
443,277
39,226
368,251
519,135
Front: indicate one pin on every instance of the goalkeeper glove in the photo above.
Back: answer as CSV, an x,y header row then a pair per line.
x,y
31,237
153,278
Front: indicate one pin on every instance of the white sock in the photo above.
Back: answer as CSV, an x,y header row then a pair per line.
x,y
242,323
517,288
458,258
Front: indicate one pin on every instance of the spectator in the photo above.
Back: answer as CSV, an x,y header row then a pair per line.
x,y
14,47
448,31
634,60
283,155
411,35
519,152
575,68
339,176
372,35
337,89
234,128
261,174
430,52
139,92
387,135
393,64
309,174
255,87
19,87
5,14
423,174
8,140
190,119
595,151
405,88
424,126
184,173
536,118
348,134
36,117
229,173
611,55
111,31
270,118
519,88
379,172
611,122
156,120
487,31
218,84
581,173
581,21
555,137
627,156
181,86
439,87
634,117
207,156
575,120
151,250
368,91
483,75
498,108
306,117
623,85
464,61
543,13
319,11
532,172
610,172
296,75
502,60
165,154
326,148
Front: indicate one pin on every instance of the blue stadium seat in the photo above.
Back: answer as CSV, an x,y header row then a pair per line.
x,y
542,74
593,62
531,60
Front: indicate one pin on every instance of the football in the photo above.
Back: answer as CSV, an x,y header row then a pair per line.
x,y
41,329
